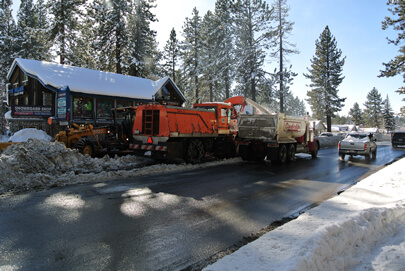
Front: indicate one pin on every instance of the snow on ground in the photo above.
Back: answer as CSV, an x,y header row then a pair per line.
x,y
361,229
37,164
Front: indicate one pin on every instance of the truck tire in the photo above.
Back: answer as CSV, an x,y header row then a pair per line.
x,y
374,154
85,146
244,152
282,153
230,149
226,149
194,151
342,156
290,153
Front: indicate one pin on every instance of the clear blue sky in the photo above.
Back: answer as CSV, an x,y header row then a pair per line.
x,y
356,25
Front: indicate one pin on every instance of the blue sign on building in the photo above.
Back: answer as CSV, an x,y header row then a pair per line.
x,y
62,106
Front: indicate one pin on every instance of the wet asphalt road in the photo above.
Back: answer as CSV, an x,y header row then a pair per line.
x,y
168,222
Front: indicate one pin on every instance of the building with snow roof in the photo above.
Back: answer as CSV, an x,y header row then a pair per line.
x,y
318,126
39,90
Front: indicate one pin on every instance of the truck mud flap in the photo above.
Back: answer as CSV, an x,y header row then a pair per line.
x,y
175,150
272,153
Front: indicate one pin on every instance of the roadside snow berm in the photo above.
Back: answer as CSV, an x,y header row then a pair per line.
x,y
361,229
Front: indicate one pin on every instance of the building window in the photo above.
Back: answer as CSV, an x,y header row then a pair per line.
x,y
123,103
25,80
47,98
104,107
82,107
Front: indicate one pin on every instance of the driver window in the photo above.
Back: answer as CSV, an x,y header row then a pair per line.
x,y
223,112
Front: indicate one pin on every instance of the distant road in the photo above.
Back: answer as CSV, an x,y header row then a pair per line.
x,y
167,222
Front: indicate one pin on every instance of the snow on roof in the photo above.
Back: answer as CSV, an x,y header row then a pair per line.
x,y
90,81
318,125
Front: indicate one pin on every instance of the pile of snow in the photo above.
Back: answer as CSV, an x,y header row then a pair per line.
x,y
39,164
4,138
8,116
29,133
361,229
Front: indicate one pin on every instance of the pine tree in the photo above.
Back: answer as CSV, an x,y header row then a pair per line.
x,y
224,44
356,114
142,46
284,48
110,33
373,111
397,65
388,115
294,106
7,34
191,55
287,76
32,41
84,53
7,40
326,76
171,53
253,31
208,57
64,26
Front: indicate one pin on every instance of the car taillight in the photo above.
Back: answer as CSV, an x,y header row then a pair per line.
x,y
339,145
365,146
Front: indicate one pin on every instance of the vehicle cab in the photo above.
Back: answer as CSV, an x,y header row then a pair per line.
x,y
223,112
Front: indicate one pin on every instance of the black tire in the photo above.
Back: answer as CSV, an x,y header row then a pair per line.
x,y
230,149
314,153
194,152
282,153
85,146
342,156
244,152
374,154
260,157
367,157
290,153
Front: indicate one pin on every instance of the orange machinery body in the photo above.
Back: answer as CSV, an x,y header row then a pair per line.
x,y
166,131
72,135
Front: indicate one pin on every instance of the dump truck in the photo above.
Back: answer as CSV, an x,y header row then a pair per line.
x,y
275,136
172,133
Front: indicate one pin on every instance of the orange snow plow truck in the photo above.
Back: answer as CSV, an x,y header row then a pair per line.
x,y
171,133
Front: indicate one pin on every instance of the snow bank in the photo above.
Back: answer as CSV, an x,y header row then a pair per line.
x,y
361,229
41,164
29,133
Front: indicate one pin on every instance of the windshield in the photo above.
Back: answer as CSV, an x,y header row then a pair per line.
x,y
357,136
398,135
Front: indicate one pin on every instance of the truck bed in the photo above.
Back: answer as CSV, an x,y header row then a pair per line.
x,y
261,127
